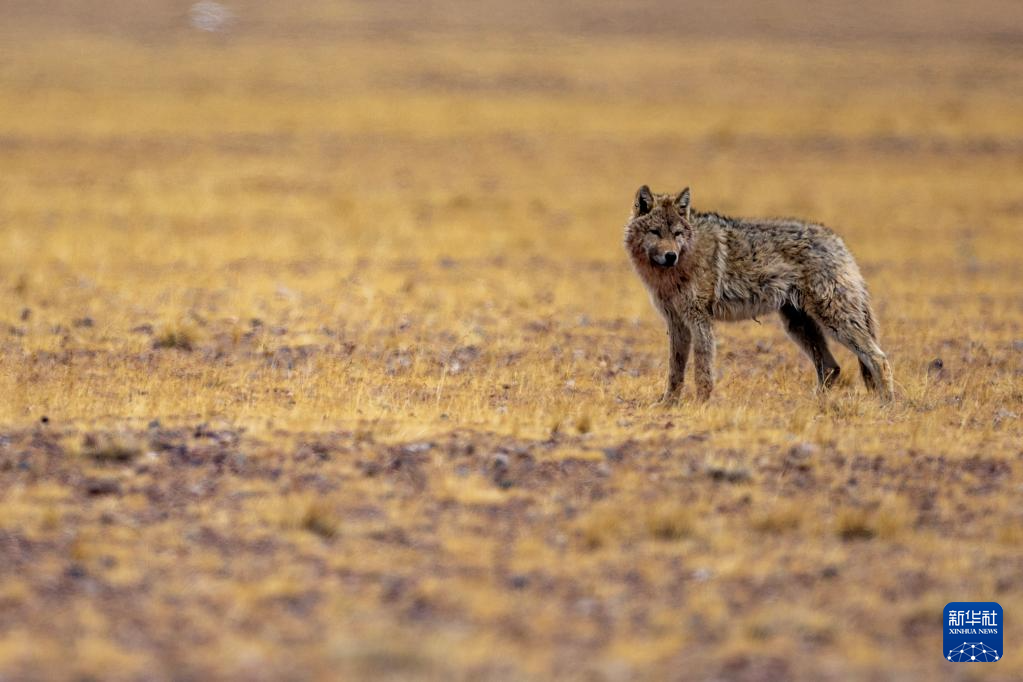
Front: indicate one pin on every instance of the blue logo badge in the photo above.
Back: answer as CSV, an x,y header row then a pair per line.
x,y
973,632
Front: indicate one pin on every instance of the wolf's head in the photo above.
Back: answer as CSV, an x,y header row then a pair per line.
x,y
659,230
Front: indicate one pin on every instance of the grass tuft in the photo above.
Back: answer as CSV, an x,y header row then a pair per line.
x,y
320,520
180,337
854,524
669,522
782,517
116,448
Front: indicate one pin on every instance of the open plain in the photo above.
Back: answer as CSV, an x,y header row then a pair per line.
x,y
320,356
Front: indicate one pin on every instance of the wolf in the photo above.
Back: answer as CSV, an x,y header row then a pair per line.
x,y
701,267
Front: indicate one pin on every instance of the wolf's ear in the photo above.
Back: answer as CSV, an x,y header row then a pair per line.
x,y
644,201
682,203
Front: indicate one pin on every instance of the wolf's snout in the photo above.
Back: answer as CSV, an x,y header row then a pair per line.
x,y
665,259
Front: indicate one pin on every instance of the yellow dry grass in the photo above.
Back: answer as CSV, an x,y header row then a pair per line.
x,y
320,356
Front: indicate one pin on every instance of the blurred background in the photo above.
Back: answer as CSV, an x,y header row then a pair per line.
x,y
320,354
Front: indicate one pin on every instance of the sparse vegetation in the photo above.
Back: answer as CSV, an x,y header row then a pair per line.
x,y
115,448
669,521
321,357
320,520
176,337
854,524
781,517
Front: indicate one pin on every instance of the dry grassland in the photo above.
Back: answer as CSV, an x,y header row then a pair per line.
x,y
320,356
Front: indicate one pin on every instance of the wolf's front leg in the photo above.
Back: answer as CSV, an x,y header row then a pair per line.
x,y
703,356
679,341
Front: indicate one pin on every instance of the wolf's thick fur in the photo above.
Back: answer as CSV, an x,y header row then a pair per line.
x,y
701,267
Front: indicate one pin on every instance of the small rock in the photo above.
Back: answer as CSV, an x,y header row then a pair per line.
x,y
729,474
702,575
83,322
25,314
416,448
614,454
518,582
102,486
75,571
1003,414
369,469
802,451
936,367
393,588
460,358
587,606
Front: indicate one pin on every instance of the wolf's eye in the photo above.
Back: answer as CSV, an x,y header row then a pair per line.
x,y
653,232
677,235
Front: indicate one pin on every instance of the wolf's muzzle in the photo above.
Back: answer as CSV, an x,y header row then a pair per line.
x,y
666,259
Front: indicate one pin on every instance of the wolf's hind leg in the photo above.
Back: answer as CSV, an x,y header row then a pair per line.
x,y
868,377
808,335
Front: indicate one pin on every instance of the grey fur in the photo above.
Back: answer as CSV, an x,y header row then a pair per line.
x,y
702,267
